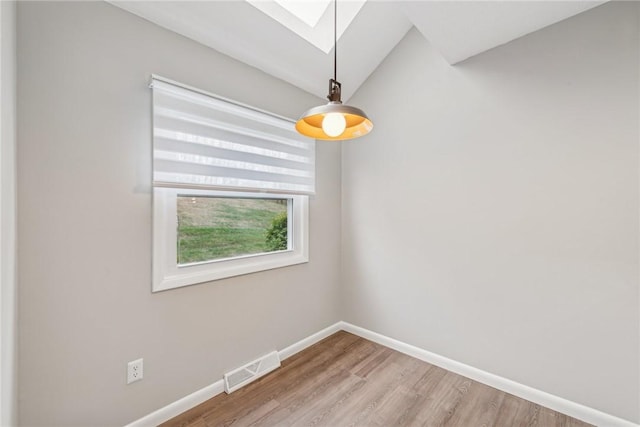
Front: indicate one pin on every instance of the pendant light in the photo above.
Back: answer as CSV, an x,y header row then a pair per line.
x,y
334,121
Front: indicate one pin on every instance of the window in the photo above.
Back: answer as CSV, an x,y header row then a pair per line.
x,y
212,227
231,186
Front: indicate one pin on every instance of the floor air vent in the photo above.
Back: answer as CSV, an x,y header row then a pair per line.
x,y
251,371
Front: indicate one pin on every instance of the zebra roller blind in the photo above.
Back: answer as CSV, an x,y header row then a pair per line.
x,y
201,141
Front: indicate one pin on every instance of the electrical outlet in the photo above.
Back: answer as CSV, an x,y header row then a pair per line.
x,y
134,371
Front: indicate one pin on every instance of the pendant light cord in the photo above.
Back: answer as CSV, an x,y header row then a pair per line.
x,y
335,40
334,85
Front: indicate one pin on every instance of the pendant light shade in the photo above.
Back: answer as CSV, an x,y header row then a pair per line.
x,y
334,121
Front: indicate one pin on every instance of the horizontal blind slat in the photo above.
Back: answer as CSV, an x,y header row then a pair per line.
x,y
226,126
198,159
195,113
204,142
190,160
196,98
219,182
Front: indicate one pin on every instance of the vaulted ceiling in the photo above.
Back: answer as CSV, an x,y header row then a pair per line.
x,y
457,29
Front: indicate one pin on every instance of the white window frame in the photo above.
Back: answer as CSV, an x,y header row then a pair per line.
x,y
168,274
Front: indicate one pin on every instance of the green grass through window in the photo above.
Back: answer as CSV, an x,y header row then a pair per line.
x,y
211,228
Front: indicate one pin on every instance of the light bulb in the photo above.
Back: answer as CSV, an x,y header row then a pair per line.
x,y
333,124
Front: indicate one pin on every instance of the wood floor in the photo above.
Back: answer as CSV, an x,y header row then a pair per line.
x,y
345,380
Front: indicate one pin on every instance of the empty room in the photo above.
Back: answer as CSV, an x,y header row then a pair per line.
x,y
320,213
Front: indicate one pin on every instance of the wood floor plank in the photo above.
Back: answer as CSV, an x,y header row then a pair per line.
x,y
324,381
393,407
479,406
361,405
299,404
442,401
322,409
518,412
347,381
252,417
424,388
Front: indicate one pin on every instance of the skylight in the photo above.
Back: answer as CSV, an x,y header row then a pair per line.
x,y
308,12
311,19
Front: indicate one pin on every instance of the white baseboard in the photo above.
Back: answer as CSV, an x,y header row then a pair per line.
x,y
179,406
309,341
542,398
194,399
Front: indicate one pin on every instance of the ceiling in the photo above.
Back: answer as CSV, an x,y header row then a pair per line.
x,y
457,29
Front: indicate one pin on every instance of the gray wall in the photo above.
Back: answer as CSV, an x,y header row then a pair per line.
x,y
8,398
492,215
84,208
